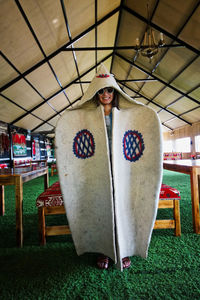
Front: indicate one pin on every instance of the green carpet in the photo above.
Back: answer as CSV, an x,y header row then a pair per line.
x,y
171,271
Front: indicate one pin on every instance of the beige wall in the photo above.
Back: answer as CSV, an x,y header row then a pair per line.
x,y
186,131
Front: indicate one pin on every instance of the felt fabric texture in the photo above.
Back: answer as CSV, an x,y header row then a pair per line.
x,y
110,211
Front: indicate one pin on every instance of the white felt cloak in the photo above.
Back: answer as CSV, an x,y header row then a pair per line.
x,y
111,215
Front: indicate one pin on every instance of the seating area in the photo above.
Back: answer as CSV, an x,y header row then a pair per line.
x,y
26,162
54,169
20,163
51,202
3,166
172,155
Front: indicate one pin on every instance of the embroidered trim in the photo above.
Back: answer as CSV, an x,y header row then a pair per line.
x,y
103,76
133,145
84,145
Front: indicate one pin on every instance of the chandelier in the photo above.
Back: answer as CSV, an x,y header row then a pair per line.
x,y
149,47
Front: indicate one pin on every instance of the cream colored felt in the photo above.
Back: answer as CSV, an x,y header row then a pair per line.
x,y
87,188
112,213
99,82
136,183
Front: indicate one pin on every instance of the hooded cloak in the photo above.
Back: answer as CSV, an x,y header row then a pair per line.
x,y
110,210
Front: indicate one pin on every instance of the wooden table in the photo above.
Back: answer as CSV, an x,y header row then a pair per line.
x,y
191,167
17,177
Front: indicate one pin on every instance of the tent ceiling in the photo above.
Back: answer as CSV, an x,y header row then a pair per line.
x,y
50,51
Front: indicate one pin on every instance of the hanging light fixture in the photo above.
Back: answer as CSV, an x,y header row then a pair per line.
x,y
150,46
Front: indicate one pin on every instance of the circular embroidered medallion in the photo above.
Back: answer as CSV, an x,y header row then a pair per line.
x,y
133,145
84,146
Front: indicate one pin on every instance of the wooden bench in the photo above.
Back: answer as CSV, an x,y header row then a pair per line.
x,y
54,169
51,202
172,155
21,162
3,166
169,198
28,162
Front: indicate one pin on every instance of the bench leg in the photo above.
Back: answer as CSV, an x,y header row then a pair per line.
x,y
41,219
177,218
2,201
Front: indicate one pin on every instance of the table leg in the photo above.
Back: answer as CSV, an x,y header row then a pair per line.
x,y
19,210
195,194
2,201
46,180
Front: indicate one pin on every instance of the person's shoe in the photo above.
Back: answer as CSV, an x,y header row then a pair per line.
x,y
126,262
103,262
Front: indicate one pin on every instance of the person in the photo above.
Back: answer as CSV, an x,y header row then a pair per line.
x,y
109,158
108,98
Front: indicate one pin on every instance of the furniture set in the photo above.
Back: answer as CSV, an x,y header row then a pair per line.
x,y
50,202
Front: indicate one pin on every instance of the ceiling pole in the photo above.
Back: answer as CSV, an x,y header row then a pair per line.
x,y
21,107
177,34
125,80
137,53
27,81
39,45
188,111
114,48
157,78
117,34
60,111
53,54
176,100
96,14
174,77
158,105
165,32
59,91
70,38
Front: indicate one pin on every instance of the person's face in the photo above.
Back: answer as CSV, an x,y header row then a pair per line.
x,y
106,95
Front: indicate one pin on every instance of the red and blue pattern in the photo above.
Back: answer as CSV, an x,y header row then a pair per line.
x,y
103,76
53,196
84,146
133,145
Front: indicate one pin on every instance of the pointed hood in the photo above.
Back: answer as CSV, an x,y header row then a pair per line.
x,y
101,80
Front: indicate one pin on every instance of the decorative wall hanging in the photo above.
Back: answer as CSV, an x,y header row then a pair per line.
x,y
19,144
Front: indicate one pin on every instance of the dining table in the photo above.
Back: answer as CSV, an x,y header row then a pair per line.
x,y
18,177
191,167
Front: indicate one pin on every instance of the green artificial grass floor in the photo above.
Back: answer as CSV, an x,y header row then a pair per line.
x,y
171,271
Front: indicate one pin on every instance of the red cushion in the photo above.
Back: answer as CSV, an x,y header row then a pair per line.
x,y
2,166
53,197
168,192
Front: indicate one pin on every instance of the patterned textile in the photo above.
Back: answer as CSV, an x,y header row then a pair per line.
x,y
22,162
84,146
53,197
2,166
168,192
133,145
94,180
172,155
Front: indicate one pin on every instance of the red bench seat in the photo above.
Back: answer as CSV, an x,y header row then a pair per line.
x,y
53,197
51,202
